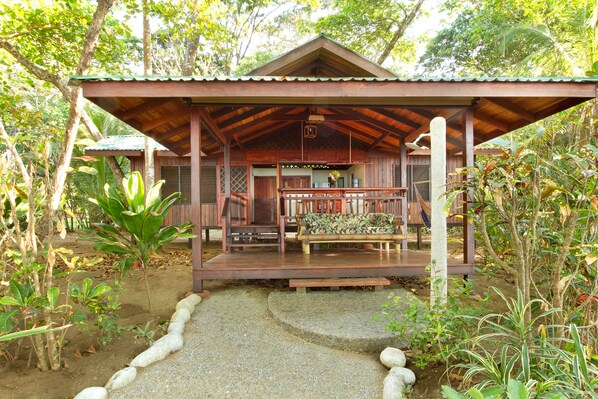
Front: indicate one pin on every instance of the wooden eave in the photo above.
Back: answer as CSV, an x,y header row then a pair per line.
x,y
381,113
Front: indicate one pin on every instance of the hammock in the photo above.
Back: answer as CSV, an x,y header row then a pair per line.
x,y
426,209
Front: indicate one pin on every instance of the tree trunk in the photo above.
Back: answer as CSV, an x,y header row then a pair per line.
x,y
97,135
76,103
400,32
147,70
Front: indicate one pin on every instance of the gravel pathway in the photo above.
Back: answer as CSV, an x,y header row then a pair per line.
x,y
233,349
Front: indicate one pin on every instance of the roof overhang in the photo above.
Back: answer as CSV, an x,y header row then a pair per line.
x,y
378,111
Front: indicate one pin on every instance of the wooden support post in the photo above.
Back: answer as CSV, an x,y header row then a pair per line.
x,y
279,208
404,200
195,127
468,160
226,229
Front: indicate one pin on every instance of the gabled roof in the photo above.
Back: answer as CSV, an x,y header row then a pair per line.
x,y
356,98
322,57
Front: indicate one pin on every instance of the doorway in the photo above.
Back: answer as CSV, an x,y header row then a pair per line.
x,y
264,200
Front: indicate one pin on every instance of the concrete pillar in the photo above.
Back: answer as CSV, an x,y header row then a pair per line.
x,y
438,291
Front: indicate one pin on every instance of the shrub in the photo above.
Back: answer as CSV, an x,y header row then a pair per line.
x,y
432,333
508,348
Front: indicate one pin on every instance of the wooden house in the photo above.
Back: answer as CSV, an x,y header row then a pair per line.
x,y
247,151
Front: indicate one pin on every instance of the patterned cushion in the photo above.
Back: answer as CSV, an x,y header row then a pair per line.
x,y
352,223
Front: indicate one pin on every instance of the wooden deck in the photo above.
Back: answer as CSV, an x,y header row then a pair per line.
x,y
254,264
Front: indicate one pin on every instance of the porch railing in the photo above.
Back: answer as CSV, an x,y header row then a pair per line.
x,y
235,212
298,201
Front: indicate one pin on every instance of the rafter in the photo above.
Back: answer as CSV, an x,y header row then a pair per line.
x,y
511,107
212,125
172,116
177,130
257,121
240,117
378,123
142,108
503,126
271,129
398,118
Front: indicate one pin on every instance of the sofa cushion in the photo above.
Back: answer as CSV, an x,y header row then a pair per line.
x,y
352,223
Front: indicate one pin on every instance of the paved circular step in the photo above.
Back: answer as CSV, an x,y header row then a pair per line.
x,y
338,319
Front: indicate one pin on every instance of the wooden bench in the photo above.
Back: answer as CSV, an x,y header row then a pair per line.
x,y
302,283
307,237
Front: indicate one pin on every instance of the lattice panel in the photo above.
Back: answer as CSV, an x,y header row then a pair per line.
x,y
238,179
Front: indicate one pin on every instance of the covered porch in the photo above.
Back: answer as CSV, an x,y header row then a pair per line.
x,y
363,116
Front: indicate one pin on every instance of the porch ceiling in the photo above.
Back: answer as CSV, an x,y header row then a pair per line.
x,y
380,112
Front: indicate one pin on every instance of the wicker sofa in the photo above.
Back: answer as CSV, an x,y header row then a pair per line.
x,y
316,228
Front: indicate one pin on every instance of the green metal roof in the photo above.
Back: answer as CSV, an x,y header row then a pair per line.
x,y
74,80
123,143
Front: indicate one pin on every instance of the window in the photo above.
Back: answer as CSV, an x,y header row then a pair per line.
x,y
178,178
418,174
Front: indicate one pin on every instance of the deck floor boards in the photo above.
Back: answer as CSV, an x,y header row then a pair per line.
x,y
252,264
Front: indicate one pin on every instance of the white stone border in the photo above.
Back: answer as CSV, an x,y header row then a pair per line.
x,y
169,343
398,377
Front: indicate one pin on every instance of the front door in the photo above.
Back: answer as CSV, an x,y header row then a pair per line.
x,y
264,199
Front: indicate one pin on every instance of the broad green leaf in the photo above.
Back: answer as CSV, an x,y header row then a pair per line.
x,y
87,170
86,286
53,294
6,320
20,292
475,394
99,290
516,390
450,393
10,301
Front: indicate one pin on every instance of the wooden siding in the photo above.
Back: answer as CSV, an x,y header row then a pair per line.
x,y
182,213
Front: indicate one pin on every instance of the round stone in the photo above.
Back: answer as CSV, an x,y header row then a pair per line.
x,y
393,357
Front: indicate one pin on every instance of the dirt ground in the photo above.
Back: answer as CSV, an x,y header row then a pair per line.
x,y
89,364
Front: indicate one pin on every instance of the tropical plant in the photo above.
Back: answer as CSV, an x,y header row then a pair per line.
x,y
536,210
141,216
148,333
509,355
31,272
431,332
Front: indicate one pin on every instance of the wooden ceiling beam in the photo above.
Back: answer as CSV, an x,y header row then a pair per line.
x,y
223,111
378,123
240,117
142,108
212,125
398,118
173,132
172,116
378,141
448,114
559,106
511,107
498,124
269,130
359,135
256,121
